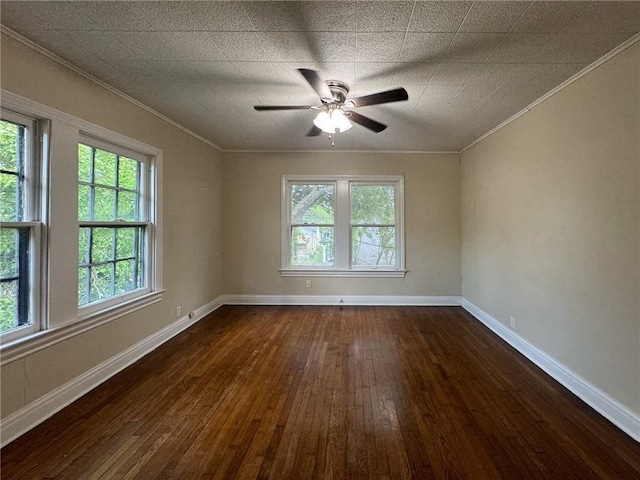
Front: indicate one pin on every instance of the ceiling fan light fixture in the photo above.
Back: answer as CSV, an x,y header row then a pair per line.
x,y
332,121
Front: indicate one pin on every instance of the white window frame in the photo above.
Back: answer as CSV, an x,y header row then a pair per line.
x,y
148,213
342,222
57,300
34,207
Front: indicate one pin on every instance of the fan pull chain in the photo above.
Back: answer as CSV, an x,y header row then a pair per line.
x,y
332,138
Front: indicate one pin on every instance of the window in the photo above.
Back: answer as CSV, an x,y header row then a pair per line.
x,y
373,225
20,232
342,226
312,224
114,225
72,260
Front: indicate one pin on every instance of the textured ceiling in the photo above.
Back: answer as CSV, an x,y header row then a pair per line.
x,y
467,66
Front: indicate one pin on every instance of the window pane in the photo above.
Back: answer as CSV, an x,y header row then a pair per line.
x,y
83,287
313,246
105,168
102,245
9,199
114,274
104,204
8,252
373,246
101,282
84,199
83,250
14,277
11,145
125,246
372,204
125,276
128,173
113,193
8,305
84,163
127,206
312,204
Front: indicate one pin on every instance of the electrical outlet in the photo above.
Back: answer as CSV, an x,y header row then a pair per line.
x,y
178,311
192,314
512,323
308,283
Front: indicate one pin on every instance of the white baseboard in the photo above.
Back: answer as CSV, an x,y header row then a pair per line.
x,y
372,300
618,414
35,413
46,406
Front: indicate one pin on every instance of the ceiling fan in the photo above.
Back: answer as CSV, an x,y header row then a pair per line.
x,y
335,113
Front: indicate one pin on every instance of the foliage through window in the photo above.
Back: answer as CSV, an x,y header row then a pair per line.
x,y
342,225
113,225
373,225
18,235
312,224
48,282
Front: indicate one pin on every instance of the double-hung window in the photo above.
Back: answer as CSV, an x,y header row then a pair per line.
x,y
80,226
20,232
114,202
342,225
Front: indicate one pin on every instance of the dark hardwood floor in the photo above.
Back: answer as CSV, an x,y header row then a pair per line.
x,y
328,392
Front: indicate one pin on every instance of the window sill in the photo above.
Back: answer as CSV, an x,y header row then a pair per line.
x,y
24,346
343,273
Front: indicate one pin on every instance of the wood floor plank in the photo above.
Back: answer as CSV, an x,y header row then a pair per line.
x,y
327,392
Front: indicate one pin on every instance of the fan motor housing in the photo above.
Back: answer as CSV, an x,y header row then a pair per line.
x,y
339,89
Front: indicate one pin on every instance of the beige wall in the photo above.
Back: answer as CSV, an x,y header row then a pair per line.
x,y
252,222
192,222
549,208
550,219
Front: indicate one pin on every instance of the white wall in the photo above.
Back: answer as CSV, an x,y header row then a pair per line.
x,y
550,221
252,222
192,223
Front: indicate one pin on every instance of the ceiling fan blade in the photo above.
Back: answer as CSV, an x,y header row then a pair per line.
x,y
282,107
314,132
321,88
396,95
366,122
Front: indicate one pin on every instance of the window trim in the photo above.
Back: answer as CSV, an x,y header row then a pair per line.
x,y
68,324
150,215
34,208
342,225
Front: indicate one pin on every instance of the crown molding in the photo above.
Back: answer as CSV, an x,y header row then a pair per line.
x,y
397,152
34,46
619,49
61,61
